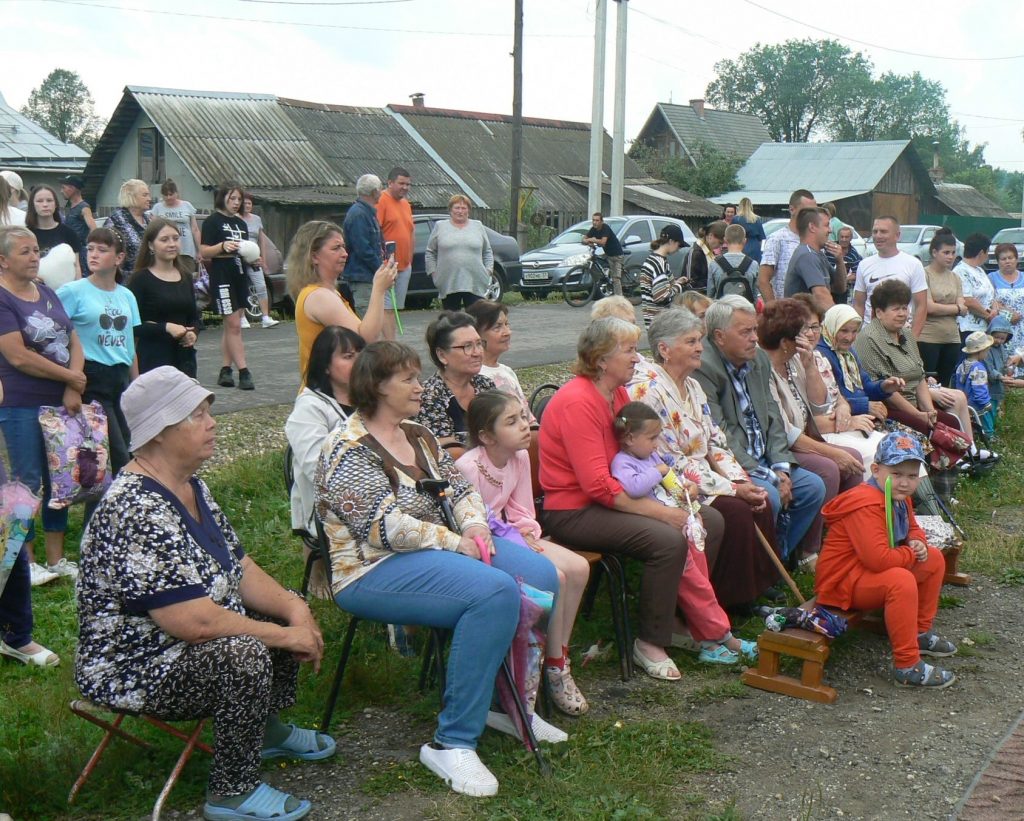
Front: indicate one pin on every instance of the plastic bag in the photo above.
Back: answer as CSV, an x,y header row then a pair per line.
x,y
77,453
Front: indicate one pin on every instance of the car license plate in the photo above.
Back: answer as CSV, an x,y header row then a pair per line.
x,y
533,275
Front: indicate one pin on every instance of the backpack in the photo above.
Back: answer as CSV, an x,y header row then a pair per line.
x,y
735,281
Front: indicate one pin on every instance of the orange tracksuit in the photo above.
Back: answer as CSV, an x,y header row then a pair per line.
x,y
858,570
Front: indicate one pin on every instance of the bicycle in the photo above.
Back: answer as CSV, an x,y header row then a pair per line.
x,y
592,280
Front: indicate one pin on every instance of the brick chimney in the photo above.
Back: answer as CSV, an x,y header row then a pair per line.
x,y
417,99
698,107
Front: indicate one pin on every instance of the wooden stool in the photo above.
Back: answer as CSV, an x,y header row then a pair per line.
x,y
86,709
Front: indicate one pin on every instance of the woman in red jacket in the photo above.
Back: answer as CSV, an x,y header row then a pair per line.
x,y
587,508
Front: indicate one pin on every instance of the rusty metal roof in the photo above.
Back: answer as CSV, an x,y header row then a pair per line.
x,y
357,140
479,148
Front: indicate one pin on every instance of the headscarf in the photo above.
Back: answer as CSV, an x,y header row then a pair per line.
x,y
835,318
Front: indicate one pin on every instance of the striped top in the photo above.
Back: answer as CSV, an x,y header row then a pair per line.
x,y
657,287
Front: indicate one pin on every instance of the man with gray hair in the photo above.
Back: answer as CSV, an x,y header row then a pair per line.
x,y
735,374
363,241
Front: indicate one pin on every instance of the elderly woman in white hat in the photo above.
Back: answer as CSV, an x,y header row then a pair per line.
x,y
176,621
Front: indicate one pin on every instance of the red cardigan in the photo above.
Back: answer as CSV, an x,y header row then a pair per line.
x,y
577,444
857,543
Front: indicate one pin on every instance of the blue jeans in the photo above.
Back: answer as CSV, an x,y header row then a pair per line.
x,y
24,438
808,496
480,604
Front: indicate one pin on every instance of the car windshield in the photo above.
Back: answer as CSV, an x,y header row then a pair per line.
x,y
773,226
1015,235
910,233
574,235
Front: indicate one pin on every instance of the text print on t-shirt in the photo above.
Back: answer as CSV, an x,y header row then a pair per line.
x,y
112,325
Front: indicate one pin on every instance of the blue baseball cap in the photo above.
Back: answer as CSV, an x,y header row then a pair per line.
x,y
897,448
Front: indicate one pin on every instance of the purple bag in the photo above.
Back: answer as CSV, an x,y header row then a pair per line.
x,y
77,453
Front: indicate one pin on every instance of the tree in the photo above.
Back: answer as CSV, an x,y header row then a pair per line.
x,y
797,89
894,107
63,106
714,174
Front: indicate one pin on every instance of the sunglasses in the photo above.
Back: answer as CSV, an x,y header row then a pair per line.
x,y
118,323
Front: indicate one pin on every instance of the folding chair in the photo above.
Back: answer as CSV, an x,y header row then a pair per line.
x,y
308,540
86,710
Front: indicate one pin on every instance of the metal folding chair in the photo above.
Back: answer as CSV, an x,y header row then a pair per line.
x,y
87,710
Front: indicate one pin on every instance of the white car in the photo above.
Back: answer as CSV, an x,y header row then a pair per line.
x,y
916,239
863,246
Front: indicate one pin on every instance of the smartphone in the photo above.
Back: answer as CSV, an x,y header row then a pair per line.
x,y
389,249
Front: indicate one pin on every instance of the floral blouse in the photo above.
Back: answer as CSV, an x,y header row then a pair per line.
x,y
143,550
689,434
441,413
371,508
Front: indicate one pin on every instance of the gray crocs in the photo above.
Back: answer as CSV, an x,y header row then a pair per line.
x,y
923,675
931,644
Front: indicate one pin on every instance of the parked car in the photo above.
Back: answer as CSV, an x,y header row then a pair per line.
x,y
544,268
1014,235
421,287
863,245
915,239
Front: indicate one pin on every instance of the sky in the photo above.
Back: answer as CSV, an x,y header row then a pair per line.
x,y
457,52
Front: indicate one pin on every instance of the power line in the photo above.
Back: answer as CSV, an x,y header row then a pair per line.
x,y
326,2
883,48
382,29
988,117
676,26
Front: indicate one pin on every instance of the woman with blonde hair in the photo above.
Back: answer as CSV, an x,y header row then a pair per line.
x,y
9,213
315,261
131,219
751,223
459,258
695,302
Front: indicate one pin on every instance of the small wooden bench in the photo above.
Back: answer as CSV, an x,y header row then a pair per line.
x,y
812,647
953,574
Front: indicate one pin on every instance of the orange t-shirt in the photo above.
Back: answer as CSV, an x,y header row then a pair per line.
x,y
395,218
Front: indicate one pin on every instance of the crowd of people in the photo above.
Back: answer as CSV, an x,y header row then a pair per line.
x,y
771,416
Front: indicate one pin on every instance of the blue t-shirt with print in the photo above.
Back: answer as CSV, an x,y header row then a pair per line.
x,y
104,320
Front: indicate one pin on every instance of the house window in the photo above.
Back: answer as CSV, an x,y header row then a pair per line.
x,y
151,155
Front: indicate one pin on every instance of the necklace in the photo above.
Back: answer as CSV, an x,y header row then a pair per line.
x,y
29,293
483,472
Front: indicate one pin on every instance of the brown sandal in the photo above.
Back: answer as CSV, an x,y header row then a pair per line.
x,y
564,692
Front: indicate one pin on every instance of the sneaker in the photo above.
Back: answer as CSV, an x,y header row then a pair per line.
x,y
245,382
460,769
269,322
40,575
541,729
931,644
226,380
245,322
64,568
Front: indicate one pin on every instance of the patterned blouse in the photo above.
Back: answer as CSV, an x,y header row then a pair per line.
x,y
370,506
441,413
131,232
143,550
689,434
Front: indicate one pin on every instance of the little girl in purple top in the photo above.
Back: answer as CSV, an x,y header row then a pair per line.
x,y
638,466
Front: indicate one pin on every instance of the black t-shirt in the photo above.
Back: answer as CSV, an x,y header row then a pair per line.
x,y
49,238
612,248
219,228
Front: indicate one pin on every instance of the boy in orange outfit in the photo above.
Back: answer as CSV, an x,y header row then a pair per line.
x,y
860,568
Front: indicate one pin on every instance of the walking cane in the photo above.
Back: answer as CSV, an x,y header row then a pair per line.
x,y
779,565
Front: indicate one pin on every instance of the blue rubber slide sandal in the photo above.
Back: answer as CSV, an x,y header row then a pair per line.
x,y
301,744
264,803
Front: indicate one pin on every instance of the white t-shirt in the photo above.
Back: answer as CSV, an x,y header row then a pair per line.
x,y
181,215
15,216
875,269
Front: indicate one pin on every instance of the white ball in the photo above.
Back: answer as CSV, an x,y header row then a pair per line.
x,y
58,266
249,250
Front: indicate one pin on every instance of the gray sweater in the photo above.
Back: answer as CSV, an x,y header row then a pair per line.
x,y
459,259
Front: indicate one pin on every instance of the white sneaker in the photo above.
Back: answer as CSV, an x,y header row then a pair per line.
x,y
460,769
541,729
64,568
40,575
269,322
245,322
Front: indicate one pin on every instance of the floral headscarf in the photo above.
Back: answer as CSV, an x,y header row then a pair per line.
x,y
835,318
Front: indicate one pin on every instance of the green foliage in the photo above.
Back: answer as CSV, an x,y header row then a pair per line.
x,y
63,105
714,173
796,88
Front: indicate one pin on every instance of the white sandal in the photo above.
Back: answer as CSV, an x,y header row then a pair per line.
x,y
40,658
656,669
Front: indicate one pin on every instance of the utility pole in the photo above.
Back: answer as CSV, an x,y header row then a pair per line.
x,y
619,124
597,110
517,122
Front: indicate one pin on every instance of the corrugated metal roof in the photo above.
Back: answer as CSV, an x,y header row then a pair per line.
x,y
27,145
782,197
658,197
480,151
358,140
728,131
967,201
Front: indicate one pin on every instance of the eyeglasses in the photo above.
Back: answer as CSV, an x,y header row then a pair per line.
x,y
814,328
469,347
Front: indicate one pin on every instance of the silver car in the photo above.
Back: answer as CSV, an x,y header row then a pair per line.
x,y
544,268
1015,236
